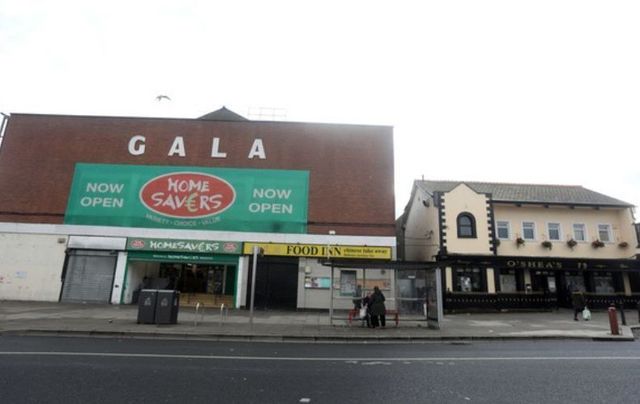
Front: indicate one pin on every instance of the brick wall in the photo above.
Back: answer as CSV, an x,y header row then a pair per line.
x,y
351,166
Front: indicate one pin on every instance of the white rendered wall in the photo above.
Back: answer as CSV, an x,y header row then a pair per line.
x,y
421,241
31,266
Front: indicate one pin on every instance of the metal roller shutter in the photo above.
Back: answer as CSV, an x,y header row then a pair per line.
x,y
89,277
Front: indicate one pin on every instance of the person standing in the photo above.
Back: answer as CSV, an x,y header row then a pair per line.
x,y
357,301
378,310
578,303
366,305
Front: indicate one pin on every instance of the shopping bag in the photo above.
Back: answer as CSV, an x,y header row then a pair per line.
x,y
363,312
586,314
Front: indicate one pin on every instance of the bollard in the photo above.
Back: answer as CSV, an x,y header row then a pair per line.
x,y
224,312
639,311
199,308
613,320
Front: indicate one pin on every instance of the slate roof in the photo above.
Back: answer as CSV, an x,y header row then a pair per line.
x,y
223,114
529,193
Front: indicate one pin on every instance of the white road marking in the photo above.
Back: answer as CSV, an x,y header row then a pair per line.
x,y
323,359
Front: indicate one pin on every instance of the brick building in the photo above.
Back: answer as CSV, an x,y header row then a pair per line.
x,y
92,208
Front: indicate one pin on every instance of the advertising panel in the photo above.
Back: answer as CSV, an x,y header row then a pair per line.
x,y
321,251
195,198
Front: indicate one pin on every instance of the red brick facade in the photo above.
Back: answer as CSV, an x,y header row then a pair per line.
x,y
351,185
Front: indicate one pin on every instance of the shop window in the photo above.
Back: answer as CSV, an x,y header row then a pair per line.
x,y
528,230
466,225
579,232
503,230
469,280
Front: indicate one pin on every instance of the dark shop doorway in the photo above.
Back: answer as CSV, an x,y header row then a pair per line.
x,y
276,283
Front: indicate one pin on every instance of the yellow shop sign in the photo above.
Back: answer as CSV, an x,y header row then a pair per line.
x,y
321,251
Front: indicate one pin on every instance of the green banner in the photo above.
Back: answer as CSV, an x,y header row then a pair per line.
x,y
197,198
188,246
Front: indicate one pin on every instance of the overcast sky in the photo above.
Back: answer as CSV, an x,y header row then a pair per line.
x,y
503,91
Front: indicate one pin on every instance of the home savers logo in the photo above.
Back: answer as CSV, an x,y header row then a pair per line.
x,y
187,195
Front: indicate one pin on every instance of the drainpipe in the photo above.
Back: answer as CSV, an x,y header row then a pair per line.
x,y
3,125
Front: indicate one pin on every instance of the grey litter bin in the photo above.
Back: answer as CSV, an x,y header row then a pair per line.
x,y
167,306
147,306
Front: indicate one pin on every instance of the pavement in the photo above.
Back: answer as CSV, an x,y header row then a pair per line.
x,y
45,318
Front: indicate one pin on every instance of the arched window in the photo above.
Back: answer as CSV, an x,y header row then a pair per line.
x,y
466,225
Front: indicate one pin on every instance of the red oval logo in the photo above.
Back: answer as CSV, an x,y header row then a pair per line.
x,y
137,244
187,195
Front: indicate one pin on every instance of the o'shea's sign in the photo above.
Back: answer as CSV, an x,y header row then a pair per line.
x,y
199,198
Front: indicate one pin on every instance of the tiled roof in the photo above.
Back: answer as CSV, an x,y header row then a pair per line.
x,y
529,193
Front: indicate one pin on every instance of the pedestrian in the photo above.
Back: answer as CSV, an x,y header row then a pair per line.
x,y
357,301
378,310
578,303
366,307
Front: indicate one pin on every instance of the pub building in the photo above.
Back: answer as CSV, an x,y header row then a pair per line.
x,y
95,208
522,246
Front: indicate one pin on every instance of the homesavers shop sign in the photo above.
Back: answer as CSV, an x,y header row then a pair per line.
x,y
190,246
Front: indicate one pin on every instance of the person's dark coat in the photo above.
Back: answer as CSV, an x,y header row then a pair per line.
x,y
377,304
577,300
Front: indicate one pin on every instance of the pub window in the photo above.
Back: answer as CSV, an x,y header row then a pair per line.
x,y
469,280
554,231
604,232
579,232
508,282
603,283
503,230
529,230
466,225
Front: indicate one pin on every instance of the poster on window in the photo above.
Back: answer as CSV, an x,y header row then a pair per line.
x,y
317,282
347,283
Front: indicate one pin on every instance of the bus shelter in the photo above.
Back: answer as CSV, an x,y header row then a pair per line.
x,y
413,290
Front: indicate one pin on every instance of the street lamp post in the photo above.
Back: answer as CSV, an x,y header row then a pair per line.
x,y
256,251
331,233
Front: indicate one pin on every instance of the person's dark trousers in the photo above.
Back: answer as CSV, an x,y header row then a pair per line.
x,y
374,321
383,320
575,313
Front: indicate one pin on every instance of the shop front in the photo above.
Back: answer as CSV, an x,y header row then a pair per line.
x,y
295,275
496,283
202,271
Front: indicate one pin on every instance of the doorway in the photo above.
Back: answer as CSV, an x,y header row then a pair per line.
x,y
276,283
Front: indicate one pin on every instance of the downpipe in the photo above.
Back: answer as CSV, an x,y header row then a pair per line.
x,y
3,126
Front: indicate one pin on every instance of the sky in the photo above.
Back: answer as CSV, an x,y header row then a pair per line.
x,y
542,92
